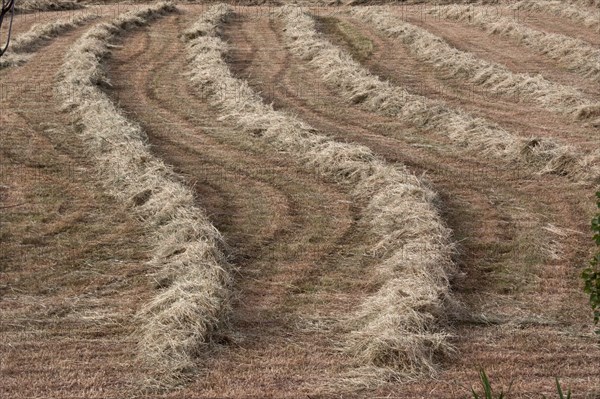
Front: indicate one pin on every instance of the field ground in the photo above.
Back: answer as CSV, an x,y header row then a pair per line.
x,y
74,261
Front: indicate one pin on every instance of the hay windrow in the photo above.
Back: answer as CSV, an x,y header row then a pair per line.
x,y
492,77
398,328
29,6
192,275
37,36
560,9
41,32
11,60
585,3
573,53
474,134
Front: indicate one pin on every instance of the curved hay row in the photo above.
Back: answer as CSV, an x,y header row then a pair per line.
x,y
191,269
37,36
11,59
560,9
29,6
490,76
398,326
573,53
586,3
475,134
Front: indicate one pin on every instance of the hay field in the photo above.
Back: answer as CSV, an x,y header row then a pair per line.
x,y
321,199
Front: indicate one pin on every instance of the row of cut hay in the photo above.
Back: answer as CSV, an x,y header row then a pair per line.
x,y
11,59
40,33
585,3
191,272
357,85
29,6
398,327
560,9
575,54
492,77
37,36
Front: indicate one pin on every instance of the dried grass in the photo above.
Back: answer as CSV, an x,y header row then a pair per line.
x,y
28,6
560,9
40,33
37,36
575,54
585,3
191,270
11,60
357,85
492,77
399,327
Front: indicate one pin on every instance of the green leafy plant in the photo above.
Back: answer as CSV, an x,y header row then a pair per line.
x,y
591,274
561,395
487,388
488,393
